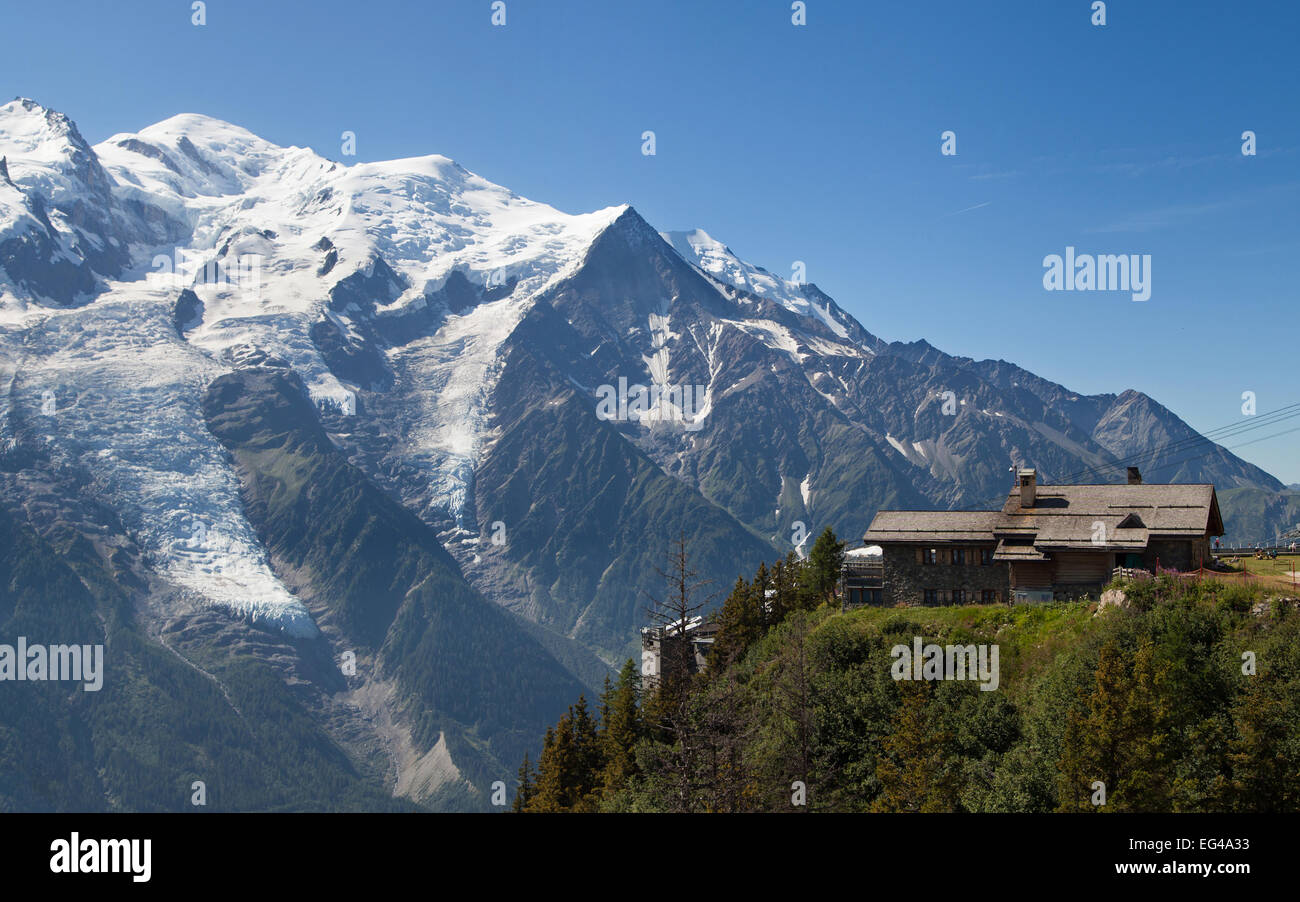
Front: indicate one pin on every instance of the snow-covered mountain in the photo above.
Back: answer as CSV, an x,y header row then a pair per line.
x,y
474,358
275,243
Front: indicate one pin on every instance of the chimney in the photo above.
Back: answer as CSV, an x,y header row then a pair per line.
x,y
1134,476
1028,487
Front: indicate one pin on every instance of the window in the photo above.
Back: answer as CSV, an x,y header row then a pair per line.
x,y
958,596
931,596
986,557
989,596
959,555
929,556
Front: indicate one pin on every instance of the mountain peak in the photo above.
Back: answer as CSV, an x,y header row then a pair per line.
x,y
38,117
720,262
34,137
715,258
696,239
204,154
209,133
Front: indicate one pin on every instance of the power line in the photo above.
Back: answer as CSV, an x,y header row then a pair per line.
x,y
1272,418
1212,436
1228,431
1239,445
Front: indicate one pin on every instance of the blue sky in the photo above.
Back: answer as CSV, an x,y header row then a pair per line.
x,y
818,143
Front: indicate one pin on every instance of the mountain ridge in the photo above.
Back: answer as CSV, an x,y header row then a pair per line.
x,y
426,356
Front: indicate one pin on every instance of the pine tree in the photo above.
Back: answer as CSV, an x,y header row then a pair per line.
x,y
792,703
760,586
912,770
527,778
620,728
1149,756
785,592
1264,756
724,730
821,573
1124,737
740,624
555,769
1091,748
588,762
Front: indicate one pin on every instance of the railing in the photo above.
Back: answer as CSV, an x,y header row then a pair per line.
x,y
875,566
862,576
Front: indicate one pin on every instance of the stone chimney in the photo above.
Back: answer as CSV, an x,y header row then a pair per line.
x,y
1134,476
1028,479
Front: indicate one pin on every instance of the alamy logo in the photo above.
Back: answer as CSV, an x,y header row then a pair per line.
x,y
952,662
652,404
1104,272
103,856
78,663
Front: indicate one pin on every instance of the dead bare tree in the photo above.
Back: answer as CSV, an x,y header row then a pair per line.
x,y
792,698
676,697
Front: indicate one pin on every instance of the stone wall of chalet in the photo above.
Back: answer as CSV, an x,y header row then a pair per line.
x,y
906,579
1176,554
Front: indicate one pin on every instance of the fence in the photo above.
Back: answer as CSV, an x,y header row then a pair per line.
x,y
1243,576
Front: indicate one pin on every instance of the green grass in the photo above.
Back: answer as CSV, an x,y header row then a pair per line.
x,y
1029,637
1274,573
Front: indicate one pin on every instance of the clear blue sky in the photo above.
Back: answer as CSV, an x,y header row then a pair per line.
x,y
817,143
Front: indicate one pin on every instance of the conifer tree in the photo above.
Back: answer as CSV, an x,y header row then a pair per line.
x,y
1091,748
555,770
620,728
912,770
1147,735
1265,755
792,705
724,731
740,624
1124,738
760,586
588,762
524,794
783,599
822,571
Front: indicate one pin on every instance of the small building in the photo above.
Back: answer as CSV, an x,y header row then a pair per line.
x,y
1047,542
658,642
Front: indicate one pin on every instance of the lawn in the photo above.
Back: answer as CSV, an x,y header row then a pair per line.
x,y
1274,573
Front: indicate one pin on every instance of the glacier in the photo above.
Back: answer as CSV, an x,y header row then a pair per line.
x,y
152,213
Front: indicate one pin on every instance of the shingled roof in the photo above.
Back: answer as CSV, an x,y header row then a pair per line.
x,y
932,526
1064,517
